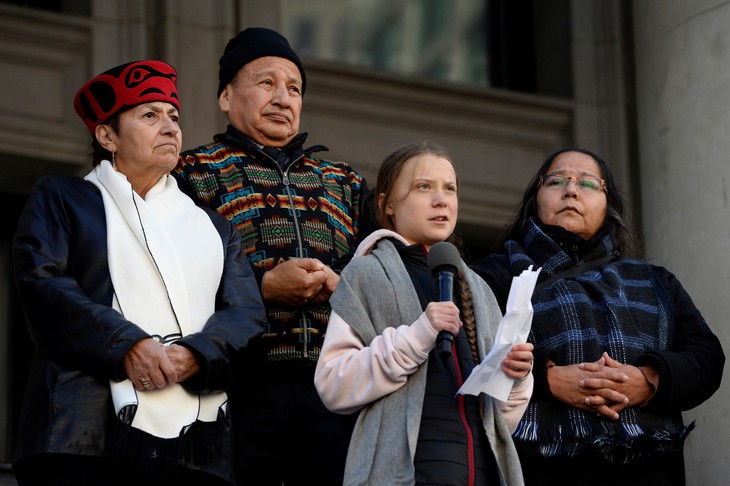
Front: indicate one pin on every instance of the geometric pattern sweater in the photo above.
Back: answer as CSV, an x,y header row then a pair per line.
x,y
296,206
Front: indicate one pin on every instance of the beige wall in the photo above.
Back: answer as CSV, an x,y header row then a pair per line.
x,y
683,93
498,137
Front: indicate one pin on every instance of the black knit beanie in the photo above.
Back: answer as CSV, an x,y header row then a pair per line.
x,y
253,43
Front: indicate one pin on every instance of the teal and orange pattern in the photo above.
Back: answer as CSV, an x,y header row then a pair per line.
x,y
311,210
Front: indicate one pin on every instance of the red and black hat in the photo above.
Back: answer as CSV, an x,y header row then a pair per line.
x,y
123,87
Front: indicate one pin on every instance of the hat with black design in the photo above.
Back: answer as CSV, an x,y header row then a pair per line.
x,y
123,87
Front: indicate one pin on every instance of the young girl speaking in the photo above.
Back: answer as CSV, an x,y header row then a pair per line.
x,y
379,353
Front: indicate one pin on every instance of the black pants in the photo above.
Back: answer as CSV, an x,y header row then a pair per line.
x,y
75,470
593,470
283,432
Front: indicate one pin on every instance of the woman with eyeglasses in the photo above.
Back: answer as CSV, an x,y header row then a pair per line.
x,y
620,348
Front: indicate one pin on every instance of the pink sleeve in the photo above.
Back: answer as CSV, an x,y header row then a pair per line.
x,y
516,404
350,375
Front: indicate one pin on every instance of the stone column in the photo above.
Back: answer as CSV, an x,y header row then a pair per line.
x,y
682,52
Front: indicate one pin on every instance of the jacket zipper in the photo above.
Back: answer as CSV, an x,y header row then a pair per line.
x,y
470,459
300,244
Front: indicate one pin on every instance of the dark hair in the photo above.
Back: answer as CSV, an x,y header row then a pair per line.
x,y
390,170
615,215
99,153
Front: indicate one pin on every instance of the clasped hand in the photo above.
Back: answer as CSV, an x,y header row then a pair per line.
x,y
299,281
150,365
604,387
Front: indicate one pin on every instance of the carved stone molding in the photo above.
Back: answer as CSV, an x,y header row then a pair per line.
x,y
43,60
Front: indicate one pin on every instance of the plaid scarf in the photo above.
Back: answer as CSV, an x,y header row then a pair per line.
x,y
618,308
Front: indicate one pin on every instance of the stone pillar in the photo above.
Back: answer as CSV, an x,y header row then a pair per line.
x,y
195,34
604,119
682,50
188,34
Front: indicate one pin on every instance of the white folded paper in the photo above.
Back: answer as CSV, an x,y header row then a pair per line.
x,y
488,376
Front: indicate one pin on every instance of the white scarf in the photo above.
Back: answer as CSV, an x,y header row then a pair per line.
x,y
165,262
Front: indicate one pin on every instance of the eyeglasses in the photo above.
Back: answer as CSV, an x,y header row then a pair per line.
x,y
558,182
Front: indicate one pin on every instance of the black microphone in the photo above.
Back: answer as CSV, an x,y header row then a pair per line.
x,y
443,262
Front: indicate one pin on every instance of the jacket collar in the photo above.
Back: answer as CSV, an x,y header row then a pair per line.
x,y
282,155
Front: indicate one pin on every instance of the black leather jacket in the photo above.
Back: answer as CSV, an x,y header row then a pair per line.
x,y
62,275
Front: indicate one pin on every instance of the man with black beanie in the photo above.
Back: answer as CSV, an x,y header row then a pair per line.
x,y
299,216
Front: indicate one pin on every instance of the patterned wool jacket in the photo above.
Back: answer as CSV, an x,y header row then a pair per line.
x,y
285,203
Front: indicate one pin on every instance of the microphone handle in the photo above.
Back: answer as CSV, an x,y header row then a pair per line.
x,y
443,343
445,284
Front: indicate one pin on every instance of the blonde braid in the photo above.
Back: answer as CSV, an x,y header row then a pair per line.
x,y
467,316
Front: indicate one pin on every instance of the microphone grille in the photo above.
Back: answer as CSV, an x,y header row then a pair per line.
x,y
443,254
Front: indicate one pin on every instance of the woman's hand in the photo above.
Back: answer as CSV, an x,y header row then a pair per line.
x,y
566,385
518,362
638,388
444,316
183,360
148,366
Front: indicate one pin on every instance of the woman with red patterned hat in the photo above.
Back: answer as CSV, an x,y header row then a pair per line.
x,y
138,302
